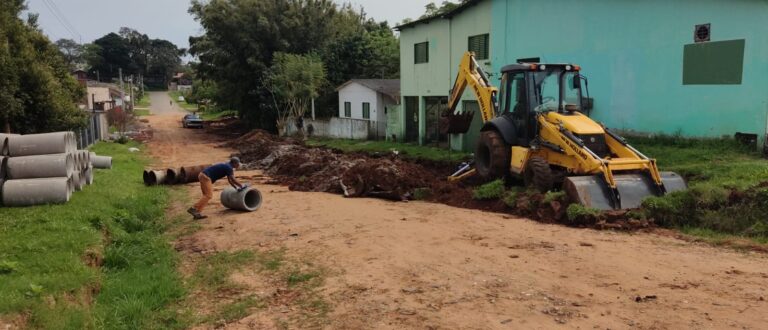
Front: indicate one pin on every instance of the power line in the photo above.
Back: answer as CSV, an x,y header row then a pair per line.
x,y
64,17
72,31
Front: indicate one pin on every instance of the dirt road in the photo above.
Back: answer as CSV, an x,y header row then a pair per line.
x,y
419,265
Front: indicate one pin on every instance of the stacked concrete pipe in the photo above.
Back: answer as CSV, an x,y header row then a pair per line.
x,y
42,168
28,192
247,200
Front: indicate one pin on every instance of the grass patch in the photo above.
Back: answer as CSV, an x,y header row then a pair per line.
x,y
141,112
214,271
215,115
52,253
183,104
236,310
143,102
405,149
489,191
724,194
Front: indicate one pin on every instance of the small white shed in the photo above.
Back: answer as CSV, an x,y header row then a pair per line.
x,y
368,99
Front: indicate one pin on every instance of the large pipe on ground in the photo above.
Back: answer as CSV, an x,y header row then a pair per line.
x,y
104,162
86,158
42,166
248,200
3,164
153,178
30,192
89,175
41,144
173,176
4,143
189,173
78,180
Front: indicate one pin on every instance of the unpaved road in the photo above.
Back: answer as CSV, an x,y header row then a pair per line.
x,y
427,266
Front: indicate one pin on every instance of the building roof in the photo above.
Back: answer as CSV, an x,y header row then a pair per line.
x,y
464,6
388,87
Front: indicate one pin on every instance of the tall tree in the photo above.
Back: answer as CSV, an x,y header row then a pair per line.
x,y
37,92
72,51
242,37
293,81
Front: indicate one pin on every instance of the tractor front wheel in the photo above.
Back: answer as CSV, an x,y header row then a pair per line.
x,y
492,156
538,174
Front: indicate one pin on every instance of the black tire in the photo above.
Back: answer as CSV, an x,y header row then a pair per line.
x,y
492,156
538,174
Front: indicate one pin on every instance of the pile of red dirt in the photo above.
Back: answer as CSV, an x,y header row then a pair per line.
x,y
305,168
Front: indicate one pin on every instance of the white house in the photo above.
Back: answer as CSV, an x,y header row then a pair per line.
x,y
368,99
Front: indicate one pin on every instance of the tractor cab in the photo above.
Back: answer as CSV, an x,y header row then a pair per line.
x,y
529,89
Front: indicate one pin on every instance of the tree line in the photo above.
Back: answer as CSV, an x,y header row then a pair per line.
x,y
262,57
135,53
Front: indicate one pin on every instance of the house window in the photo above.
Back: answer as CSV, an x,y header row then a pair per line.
x,y
421,52
348,109
366,110
479,45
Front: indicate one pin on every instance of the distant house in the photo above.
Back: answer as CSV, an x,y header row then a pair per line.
x,y
368,99
181,82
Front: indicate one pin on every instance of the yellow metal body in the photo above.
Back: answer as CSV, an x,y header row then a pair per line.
x,y
470,75
576,159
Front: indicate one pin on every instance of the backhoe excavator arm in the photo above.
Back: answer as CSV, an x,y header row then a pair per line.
x,y
472,75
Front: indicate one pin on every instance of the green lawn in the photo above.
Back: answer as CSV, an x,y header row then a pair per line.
x,y
724,195
143,102
186,106
100,261
405,149
141,112
214,115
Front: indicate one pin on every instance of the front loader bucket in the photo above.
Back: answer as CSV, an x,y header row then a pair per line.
x,y
456,123
594,192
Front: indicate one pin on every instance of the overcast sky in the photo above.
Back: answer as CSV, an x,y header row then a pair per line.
x,y
88,20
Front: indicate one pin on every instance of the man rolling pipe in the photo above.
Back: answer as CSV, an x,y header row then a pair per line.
x,y
210,175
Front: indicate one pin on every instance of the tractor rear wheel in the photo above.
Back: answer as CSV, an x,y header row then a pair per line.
x,y
492,156
538,174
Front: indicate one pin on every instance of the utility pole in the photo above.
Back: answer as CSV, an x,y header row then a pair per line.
x,y
122,88
313,108
133,102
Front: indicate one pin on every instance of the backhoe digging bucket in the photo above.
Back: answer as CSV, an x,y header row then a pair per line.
x,y
594,192
456,123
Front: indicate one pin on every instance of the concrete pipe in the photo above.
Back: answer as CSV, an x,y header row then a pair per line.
x,y
77,159
86,158
89,175
4,143
145,176
248,200
104,162
40,144
3,164
42,166
30,192
78,180
155,178
172,176
190,173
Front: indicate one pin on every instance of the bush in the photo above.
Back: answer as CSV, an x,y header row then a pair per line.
x,y
489,191
578,212
510,199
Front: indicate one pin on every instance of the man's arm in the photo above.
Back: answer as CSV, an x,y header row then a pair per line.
x,y
233,182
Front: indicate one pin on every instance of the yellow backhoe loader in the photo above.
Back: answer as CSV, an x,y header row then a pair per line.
x,y
534,128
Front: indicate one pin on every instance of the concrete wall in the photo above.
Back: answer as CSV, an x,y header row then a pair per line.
x,y
448,41
632,53
342,128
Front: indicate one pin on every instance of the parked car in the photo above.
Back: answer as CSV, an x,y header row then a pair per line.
x,y
192,121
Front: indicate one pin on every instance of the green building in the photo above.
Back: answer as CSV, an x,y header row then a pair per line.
x,y
694,67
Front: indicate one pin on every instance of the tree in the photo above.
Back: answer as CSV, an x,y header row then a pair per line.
x,y
433,10
293,81
242,36
72,51
37,92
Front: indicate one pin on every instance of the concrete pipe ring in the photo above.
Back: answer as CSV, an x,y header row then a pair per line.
x,y
248,200
30,192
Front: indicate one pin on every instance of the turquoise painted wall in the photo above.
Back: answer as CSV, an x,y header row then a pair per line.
x,y
632,53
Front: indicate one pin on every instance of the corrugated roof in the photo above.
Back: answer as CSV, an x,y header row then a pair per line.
x,y
454,12
389,87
